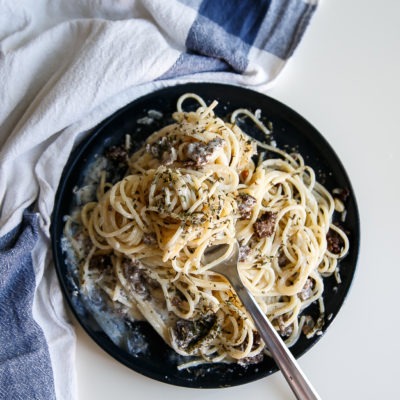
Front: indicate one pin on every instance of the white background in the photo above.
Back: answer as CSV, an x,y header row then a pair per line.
x,y
345,79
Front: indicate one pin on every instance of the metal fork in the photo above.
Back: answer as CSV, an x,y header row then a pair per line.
x,y
298,382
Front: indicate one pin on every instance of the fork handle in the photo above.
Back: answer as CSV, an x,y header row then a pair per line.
x,y
298,382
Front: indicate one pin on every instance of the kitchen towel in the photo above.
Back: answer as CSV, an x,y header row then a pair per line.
x,y
66,66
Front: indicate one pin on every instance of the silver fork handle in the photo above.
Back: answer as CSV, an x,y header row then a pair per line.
x,y
298,382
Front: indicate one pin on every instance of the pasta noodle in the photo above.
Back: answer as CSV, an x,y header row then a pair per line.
x,y
196,183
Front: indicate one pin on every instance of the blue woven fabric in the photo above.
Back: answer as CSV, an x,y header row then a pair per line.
x,y
25,368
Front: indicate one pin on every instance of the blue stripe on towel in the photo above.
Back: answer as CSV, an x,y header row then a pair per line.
x,y
238,18
25,368
207,38
284,26
224,32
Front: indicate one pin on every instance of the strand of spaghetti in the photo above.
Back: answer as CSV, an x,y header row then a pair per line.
x,y
188,96
249,114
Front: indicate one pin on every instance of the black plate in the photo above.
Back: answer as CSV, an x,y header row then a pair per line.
x,y
158,361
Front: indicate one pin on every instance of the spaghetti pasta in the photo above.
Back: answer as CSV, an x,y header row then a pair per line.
x,y
196,183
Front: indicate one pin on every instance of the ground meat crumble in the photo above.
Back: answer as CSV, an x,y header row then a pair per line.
x,y
307,290
258,357
246,203
141,282
198,154
188,332
334,242
265,225
163,150
117,154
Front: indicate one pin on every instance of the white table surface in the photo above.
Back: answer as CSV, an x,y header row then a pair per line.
x,y
345,79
